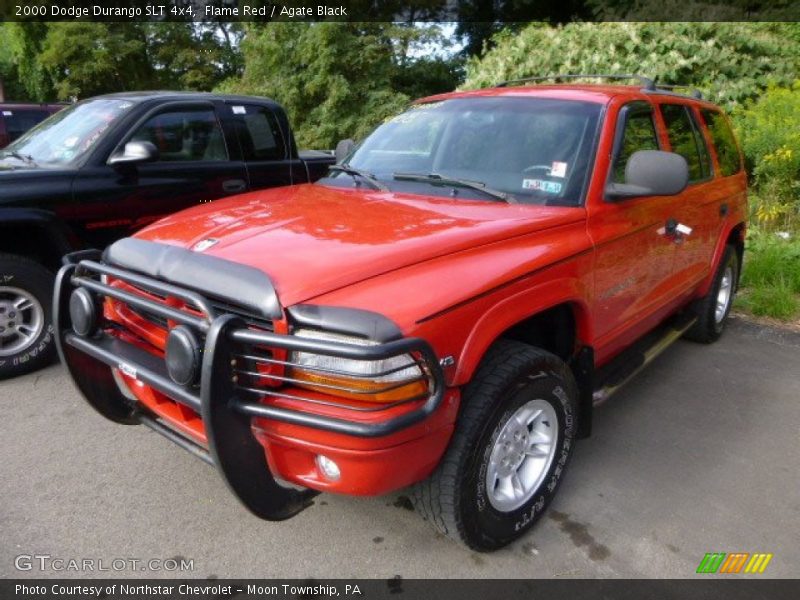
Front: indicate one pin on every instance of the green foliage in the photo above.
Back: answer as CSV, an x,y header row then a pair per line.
x,y
771,275
339,80
731,62
770,137
61,60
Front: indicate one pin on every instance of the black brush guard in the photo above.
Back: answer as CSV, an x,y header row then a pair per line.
x,y
226,416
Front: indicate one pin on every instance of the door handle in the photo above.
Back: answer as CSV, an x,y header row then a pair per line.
x,y
675,229
234,185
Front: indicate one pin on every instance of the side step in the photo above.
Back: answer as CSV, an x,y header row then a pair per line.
x,y
623,368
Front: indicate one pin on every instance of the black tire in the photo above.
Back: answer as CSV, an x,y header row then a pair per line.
x,y
454,499
20,273
708,328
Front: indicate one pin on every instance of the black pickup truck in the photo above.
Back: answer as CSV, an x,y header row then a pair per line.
x,y
103,168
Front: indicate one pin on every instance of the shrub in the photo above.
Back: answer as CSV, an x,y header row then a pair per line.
x,y
731,62
769,131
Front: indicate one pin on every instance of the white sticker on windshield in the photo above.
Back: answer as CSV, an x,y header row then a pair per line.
x,y
558,169
7,113
549,187
239,110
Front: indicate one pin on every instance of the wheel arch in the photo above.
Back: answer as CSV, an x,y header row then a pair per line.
x,y
734,235
35,234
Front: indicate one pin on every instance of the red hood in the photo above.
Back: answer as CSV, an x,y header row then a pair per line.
x,y
312,239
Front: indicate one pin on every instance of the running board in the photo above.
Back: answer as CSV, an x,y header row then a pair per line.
x,y
630,362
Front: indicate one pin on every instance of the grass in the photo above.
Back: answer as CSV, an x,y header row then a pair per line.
x,y
771,276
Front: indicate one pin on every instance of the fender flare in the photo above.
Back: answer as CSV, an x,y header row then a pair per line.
x,y
722,241
59,235
515,309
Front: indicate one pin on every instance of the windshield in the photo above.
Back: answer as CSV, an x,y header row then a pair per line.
x,y
535,150
68,135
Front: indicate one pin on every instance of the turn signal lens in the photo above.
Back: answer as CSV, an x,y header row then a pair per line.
x,y
385,381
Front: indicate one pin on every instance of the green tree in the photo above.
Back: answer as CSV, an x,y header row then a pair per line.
x,y
339,80
731,62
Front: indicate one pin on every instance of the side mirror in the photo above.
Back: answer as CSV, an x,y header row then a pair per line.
x,y
651,173
135,153
343,150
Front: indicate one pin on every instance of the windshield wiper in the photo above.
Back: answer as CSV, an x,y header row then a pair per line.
x,y
26,158
437,179
368,177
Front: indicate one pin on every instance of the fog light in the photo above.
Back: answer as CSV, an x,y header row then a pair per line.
x,y
83,312
328,468
182,355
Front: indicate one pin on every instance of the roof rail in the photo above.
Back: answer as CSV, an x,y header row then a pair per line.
x,y
646,82
693,92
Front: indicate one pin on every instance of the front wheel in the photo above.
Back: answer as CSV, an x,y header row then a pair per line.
x,y
513,441
26,331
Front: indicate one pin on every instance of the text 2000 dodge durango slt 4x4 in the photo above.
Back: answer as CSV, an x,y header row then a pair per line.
x,y
443,310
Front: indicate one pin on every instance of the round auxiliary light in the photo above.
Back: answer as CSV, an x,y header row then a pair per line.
x,y
328,468
182,355
83,312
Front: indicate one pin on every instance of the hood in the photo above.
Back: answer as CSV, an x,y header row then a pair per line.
x,y
313,239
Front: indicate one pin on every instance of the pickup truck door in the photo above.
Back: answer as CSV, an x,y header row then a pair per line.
x,y
264,143
701,202
195,166
634,253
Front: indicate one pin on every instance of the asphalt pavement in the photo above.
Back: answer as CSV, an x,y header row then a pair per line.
x,y
698,454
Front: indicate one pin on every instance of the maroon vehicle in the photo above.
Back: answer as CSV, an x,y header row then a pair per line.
x,y
17,118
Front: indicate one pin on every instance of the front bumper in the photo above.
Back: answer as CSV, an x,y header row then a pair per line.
x,y
236,430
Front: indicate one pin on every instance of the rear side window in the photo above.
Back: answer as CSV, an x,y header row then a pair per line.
x,y
184,135
259,133
724,142
19,121
639,134
686,140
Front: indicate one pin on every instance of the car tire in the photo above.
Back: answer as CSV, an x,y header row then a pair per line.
x,y
459,499
712,310
26,326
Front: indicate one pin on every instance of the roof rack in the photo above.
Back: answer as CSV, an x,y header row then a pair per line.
x,y
693,92
646,82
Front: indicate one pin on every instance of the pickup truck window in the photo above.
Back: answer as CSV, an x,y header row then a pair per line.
x,y
184,135
534,149
259,133
67,136
724,141
686,140
639,134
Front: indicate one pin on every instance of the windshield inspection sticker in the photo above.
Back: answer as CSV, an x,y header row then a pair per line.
x,y
239,110
7,113
549,187
558,169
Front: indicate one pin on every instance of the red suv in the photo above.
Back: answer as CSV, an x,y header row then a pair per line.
x,y
443,310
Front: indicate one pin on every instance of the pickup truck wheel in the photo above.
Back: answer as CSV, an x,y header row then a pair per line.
x,y
713,308
26,331
513,440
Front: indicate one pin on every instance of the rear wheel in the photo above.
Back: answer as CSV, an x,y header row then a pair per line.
x,y
26,331
713,308
512,443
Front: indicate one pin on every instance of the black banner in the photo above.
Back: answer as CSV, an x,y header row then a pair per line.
x,y
405,11
585,589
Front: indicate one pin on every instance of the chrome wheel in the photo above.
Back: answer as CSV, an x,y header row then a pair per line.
x,y
724,295
21,320
522,455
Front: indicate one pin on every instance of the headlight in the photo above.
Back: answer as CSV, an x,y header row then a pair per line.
x,y
387,380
